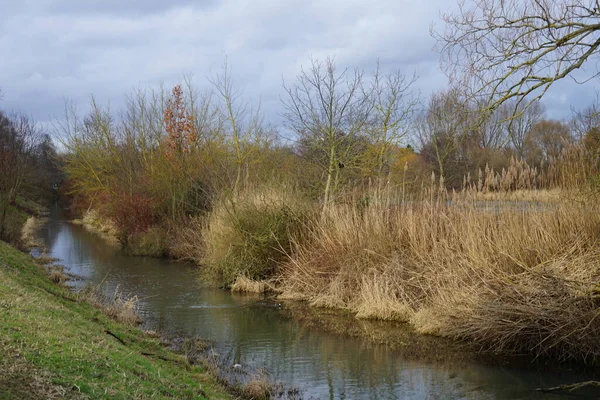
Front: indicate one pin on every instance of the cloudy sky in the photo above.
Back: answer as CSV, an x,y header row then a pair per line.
x,y
56,50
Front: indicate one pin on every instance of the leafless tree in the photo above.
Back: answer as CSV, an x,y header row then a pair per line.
x,y
20,144
546,141
328,108
243,123
395,105
442,130
585,120
523,119
492,133
516,49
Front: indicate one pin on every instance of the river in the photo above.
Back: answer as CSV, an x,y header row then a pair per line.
x,y
298,352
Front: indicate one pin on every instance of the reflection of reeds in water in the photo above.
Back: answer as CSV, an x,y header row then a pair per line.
x,y
398,337
420,365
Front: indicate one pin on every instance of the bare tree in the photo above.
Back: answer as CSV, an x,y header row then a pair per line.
x,y
492,134
442,130
546,141
20,144
395,104
584,121
245,123
523,119
328,108
505,49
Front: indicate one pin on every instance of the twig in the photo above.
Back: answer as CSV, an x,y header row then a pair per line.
x,y
115,336
570,388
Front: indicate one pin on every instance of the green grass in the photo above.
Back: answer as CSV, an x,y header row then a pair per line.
x,y
54,346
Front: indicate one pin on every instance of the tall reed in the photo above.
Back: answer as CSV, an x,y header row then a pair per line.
x,y
510,276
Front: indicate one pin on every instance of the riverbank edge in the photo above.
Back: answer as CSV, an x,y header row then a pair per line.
x,y
55,344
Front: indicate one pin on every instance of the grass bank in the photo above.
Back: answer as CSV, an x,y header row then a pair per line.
x,y
19,220
55,345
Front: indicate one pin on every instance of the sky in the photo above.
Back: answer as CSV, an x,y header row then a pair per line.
x,y
54,51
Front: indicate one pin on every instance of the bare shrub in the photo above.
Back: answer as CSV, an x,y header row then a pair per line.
x,y
28,232
57,274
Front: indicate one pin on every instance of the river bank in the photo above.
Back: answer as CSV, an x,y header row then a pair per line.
x,y
456,267
322,354
56,346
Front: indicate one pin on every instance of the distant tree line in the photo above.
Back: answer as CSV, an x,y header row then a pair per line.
x,y
28,164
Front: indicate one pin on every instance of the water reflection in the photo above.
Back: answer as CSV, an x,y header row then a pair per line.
x,y
294,348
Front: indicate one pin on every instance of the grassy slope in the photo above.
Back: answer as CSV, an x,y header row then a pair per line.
x,y
52,346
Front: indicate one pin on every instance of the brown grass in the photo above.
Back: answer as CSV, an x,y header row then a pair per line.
x,y
526,195
185,241
94,222
29,230
259,387
520,279
57,274
119,307
45,259
246,285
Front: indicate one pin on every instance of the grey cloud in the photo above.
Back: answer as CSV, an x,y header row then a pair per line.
x,y
121,8
53,50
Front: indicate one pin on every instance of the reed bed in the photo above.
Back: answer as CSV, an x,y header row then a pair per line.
x,y
522,279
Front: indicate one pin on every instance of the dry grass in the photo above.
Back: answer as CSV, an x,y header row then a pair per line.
x,y
28,231
259,387
185,241
511,279
245,285
94,222
527,195
119,307
378,300
44,259
57,274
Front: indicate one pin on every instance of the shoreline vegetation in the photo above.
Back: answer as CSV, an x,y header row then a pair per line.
x,y
471,214
59,343
497,245
509,275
